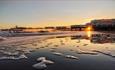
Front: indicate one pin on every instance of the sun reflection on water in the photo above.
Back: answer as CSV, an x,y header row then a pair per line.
x,y
89,30
89,33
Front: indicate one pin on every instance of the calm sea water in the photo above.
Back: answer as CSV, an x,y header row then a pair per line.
x,y
68,46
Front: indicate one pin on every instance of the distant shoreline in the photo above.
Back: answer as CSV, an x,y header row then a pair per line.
x,y
18,39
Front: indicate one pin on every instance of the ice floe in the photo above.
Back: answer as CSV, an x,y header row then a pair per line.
x,y
8,58
108,53
44,60
26,51
71,57
41,58
57,53
2,38
13,58
23,56
2,48
9,53
43,63
86,52
66,56
40,65
48,62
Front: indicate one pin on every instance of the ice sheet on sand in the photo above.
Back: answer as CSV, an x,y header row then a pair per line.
x,y
71,57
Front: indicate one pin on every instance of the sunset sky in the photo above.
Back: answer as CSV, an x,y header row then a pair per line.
x,y
37,13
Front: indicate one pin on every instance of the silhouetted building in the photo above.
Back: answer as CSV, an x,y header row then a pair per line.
x,y
78,27
103,24
62,28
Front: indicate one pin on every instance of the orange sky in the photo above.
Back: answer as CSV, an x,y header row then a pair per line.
x,y
35,13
